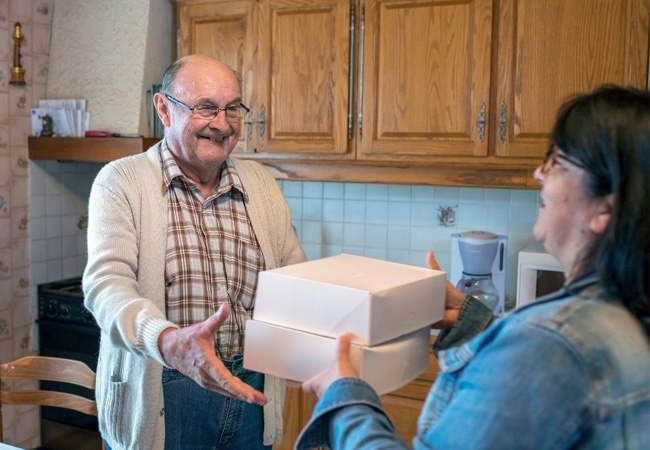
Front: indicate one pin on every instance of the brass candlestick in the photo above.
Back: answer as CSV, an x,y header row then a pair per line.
x,y
17,71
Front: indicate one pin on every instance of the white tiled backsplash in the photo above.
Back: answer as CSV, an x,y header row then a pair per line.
x,y
392,222
58,214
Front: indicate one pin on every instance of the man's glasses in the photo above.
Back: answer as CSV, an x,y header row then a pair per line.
x,y
553,155
233,113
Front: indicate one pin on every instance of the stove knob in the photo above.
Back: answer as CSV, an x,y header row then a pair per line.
x,y
65,311
87,316
51,309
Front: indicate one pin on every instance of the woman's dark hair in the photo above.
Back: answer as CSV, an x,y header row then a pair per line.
x,y
608,131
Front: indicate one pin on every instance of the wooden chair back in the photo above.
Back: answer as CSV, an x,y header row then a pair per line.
x,y
43,368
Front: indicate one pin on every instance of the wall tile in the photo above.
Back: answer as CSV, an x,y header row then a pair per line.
x,y
5,201
6,293
21,11
312,190
355,191
333,190
333,209
42,13
4,14
355,210
40,35
6,329
4,140
377,192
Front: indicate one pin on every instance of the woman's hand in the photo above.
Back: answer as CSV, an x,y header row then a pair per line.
x,y
341,367
453,298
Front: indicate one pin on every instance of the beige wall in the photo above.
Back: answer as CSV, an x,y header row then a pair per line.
x,y
110,52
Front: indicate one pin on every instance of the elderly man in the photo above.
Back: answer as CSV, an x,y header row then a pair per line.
x,y
176,239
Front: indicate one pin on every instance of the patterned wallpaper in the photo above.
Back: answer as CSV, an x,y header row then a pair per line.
x,y
21,425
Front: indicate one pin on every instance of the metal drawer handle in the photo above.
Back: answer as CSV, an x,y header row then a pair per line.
x,y
260,123
503,121
481,123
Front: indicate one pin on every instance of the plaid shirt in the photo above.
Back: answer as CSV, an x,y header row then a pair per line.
x,y
212,257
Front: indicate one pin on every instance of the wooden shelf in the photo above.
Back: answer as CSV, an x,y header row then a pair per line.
x,y
509,173
472,174
101,149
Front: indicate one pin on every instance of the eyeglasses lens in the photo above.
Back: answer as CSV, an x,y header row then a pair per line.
x,y
233,114
549,159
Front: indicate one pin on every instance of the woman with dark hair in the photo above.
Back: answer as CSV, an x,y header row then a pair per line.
x,y
571,370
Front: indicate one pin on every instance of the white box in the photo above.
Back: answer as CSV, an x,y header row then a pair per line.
x,y
298,356
374,299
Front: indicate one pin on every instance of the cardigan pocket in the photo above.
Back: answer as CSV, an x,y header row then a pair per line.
x,y
113,411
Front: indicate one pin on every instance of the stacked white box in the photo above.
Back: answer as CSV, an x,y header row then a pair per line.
x,y
388,306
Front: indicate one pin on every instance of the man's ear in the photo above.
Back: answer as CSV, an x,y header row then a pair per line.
x,y
162,108
602,214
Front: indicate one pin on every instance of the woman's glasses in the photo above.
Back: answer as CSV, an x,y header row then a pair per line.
x,y
553,155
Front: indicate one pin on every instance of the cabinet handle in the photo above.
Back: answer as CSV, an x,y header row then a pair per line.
x,y
503,121
362,29
249,125
481,123
260,122
351,73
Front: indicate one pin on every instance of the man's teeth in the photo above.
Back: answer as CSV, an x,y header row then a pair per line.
x,y
217,139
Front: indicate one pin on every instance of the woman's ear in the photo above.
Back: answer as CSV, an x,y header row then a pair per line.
x,y
602,214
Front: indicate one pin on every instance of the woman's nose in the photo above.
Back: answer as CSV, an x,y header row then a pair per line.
x,y
539,175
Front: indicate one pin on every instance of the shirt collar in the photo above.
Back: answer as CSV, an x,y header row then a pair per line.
x,y
229,177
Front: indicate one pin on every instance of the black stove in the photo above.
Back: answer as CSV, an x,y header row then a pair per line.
x,y
62,301
67,330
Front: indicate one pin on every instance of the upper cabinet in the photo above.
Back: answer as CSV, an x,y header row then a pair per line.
x,y
548,50
225,31
413,91
424,79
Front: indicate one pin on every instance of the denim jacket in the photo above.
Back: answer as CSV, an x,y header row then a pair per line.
x,y
569,371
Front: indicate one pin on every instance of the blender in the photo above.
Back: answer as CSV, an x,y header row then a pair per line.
x,y
478,251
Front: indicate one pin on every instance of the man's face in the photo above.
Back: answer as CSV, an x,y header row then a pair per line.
x,y
197,143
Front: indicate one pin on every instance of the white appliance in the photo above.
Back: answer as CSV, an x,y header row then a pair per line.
x,y
474,241
538,273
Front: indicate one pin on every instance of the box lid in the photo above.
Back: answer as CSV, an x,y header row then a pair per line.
x,y
374,299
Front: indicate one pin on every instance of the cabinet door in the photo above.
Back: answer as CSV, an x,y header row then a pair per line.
x,y
302,79
425,79
550,49
223,30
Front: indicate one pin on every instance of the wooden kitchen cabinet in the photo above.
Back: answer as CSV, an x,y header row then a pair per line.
x,y
548,50
345,80
225,31
403,406
293,59
425,72
414,91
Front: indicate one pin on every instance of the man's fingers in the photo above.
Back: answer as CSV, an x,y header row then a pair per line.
x,y
231,386
217,319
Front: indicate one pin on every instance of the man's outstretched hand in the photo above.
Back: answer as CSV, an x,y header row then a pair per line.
x,y
191,351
